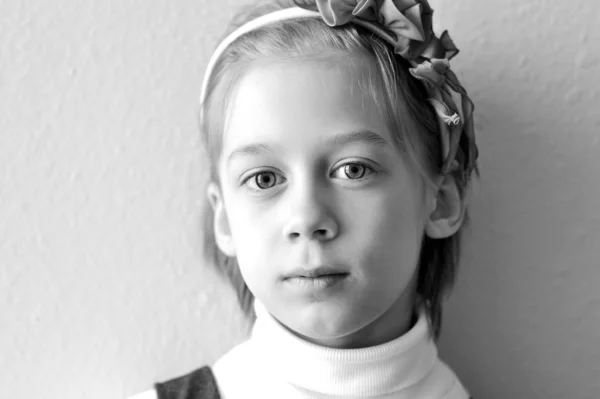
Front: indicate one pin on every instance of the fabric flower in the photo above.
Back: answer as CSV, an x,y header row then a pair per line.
x,y
453,106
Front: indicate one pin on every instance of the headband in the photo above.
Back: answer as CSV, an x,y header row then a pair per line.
x,y
407,26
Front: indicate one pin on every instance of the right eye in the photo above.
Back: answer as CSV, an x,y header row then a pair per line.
x,y
262,180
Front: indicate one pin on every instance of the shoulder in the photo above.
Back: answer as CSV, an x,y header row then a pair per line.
x,y
457,390
199,383
149,394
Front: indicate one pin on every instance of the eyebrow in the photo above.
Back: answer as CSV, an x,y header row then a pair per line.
x,y
365,136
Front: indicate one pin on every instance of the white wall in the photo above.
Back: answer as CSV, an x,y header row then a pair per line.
x,y
102,290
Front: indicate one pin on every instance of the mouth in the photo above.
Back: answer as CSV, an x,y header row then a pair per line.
x,y
317,280
317,272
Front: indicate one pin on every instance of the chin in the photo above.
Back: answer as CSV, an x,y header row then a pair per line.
x,y
322,322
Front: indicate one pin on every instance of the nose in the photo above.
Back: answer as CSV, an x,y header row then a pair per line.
x,y
310,216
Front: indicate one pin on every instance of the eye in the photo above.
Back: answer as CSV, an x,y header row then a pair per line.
x,y
262,180
353,171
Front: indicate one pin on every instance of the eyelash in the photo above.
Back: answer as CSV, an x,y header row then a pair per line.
x,y
368,171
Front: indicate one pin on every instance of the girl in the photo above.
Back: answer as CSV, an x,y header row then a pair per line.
x,y
341,149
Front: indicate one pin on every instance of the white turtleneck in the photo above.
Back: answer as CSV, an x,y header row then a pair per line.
x,y
274,363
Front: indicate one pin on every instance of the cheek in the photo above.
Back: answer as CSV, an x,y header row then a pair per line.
x,y
252,235
391,213
400,219
388,231
243,218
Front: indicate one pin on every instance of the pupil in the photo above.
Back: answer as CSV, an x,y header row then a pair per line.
x,y
264,180
355,171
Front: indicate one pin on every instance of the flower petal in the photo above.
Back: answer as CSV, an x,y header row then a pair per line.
x,y
424,71
433,49
440,65
414,15
402,47
448,45
401,25
394,20
403,5
336,12
366,9
306,4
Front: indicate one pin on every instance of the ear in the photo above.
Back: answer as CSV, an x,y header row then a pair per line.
x,y
447,210
221,227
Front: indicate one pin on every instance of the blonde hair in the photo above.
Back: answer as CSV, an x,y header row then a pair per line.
x,y
394,89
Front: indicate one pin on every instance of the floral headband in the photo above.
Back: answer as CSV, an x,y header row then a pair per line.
x,y
407,26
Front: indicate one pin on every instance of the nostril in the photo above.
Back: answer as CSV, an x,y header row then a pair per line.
x,y
321,233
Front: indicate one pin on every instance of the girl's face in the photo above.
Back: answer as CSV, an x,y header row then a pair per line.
x,y
310,178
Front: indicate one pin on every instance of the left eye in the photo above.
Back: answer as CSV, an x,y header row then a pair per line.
x,y
263,180
353,171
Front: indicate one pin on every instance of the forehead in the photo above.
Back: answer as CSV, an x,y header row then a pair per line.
x,y
303,101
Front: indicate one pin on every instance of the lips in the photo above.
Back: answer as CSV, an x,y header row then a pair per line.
x,y
315,272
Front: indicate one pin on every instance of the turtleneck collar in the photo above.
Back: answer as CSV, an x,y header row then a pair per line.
x,y
274,362
371,371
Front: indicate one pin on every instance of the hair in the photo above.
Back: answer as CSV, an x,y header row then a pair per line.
x,y
394,89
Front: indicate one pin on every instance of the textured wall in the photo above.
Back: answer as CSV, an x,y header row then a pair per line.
x,y
102,290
